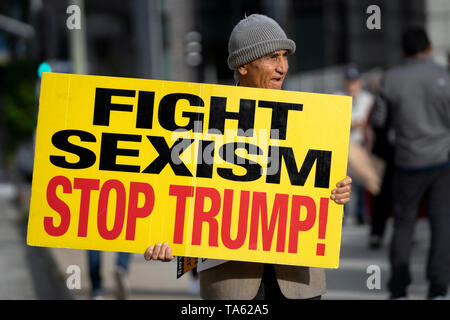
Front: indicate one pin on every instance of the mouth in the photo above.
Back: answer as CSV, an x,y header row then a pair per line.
x,y
277,81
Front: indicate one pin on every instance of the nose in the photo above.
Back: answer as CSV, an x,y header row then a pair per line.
x,y
282,65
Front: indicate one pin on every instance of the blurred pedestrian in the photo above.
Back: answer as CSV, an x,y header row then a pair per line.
x,y
416,94
383,147
362,102
120,275
448,61
258,50
194,283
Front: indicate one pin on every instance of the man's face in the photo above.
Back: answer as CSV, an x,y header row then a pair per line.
x,y
266,72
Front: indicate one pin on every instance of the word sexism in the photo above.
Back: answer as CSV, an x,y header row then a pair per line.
x,y
229,152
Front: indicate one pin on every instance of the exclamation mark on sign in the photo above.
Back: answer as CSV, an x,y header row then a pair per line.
x,y
323,217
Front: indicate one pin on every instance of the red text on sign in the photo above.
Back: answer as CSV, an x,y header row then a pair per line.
x,y
257,215
130,212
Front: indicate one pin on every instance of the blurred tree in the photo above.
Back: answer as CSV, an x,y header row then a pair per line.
x,y
18,103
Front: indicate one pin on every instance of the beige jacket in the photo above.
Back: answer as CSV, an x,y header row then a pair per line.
x,y
237,280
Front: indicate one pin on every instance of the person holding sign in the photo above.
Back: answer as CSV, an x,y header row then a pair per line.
x,y
258,50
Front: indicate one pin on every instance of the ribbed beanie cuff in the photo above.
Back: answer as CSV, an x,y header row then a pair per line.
x,y
258,50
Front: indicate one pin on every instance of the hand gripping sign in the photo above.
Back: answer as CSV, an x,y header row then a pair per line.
x,y
216,171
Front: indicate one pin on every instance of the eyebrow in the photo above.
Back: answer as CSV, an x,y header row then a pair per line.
x,y
285,53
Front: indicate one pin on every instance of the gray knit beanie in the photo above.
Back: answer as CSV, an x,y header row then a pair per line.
x,y
253,38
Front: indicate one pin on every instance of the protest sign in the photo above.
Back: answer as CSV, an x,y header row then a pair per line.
x,y
216,171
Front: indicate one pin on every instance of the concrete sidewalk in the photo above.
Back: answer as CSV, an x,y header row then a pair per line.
x,y
26,273
15,277
349,281
147,280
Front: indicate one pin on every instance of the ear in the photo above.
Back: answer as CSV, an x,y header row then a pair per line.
x,y
242,70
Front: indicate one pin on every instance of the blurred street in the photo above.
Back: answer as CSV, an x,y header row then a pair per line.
x,y
349,281
40,273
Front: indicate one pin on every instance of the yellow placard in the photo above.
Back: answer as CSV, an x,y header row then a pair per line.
x,y
216,171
